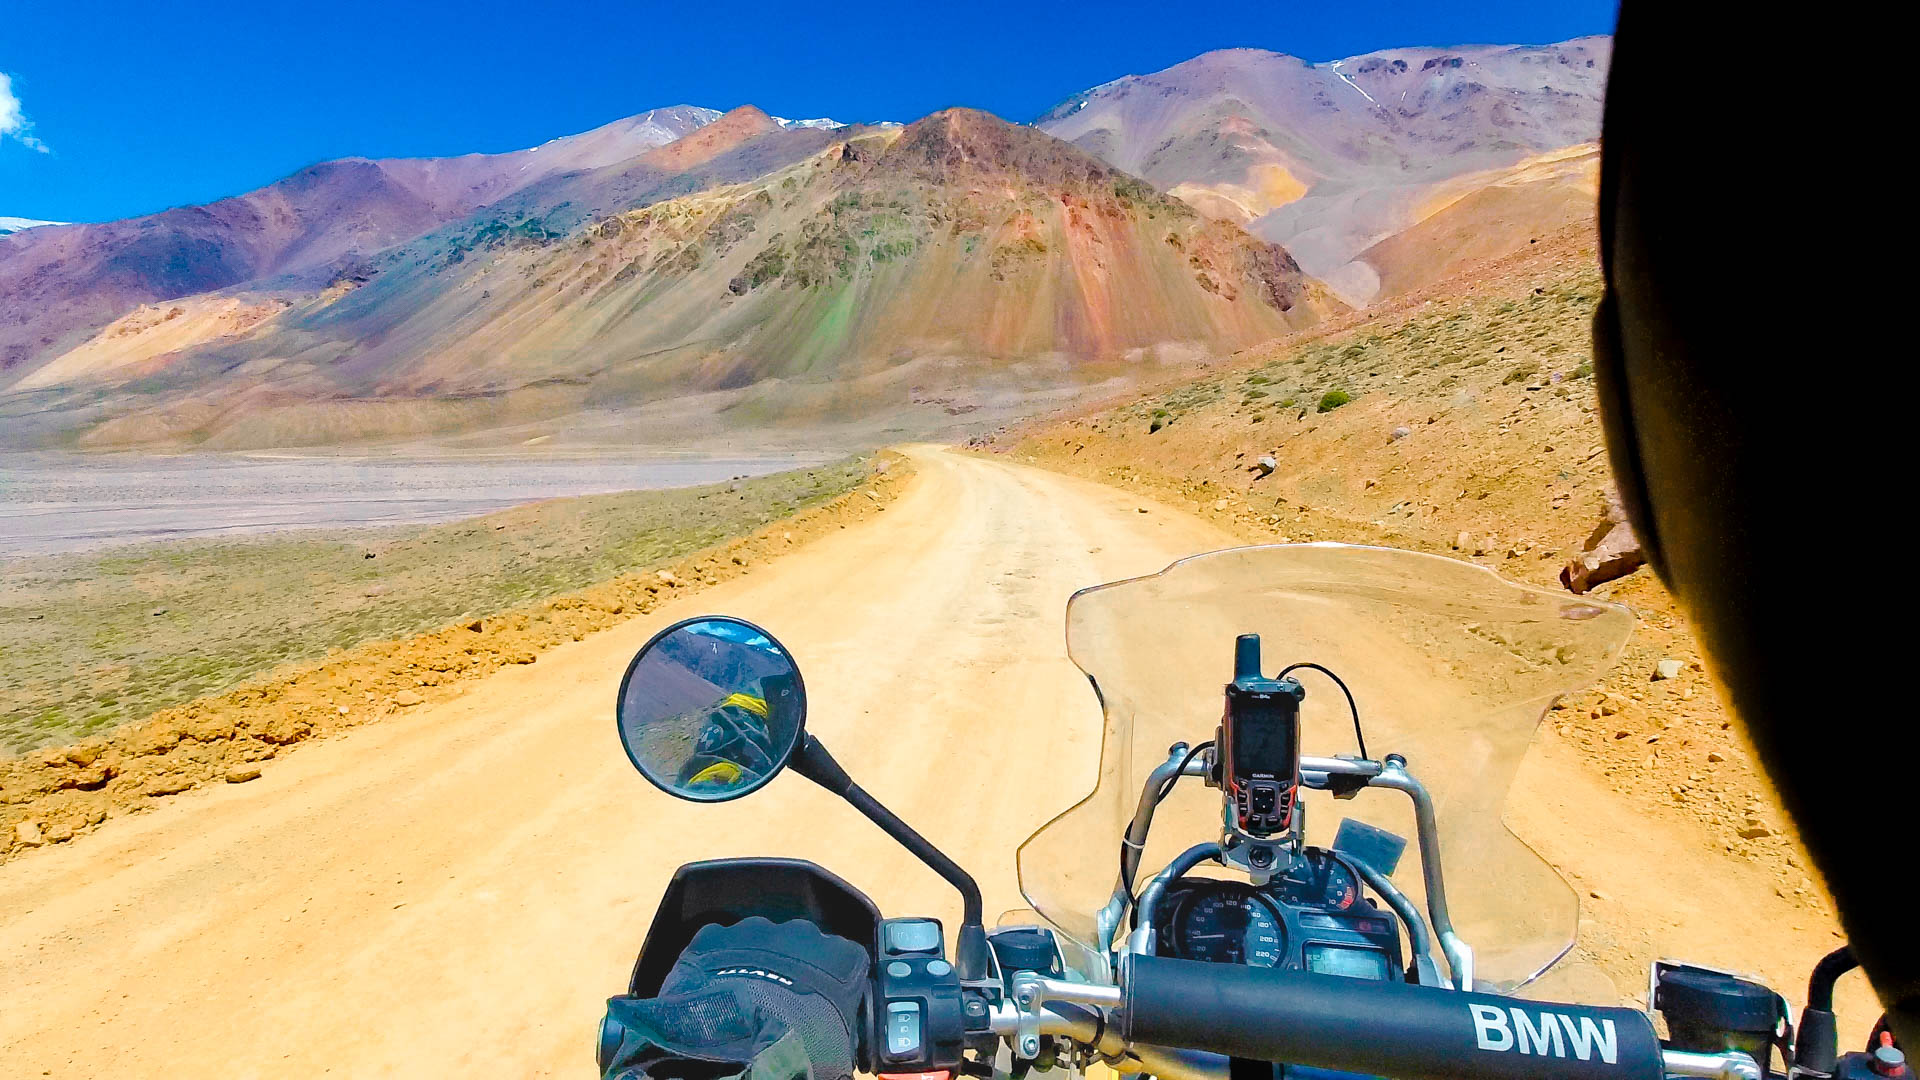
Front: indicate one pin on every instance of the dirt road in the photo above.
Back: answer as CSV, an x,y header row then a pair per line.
x,y
455,891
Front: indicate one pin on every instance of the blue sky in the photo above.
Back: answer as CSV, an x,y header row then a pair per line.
x,y
109,109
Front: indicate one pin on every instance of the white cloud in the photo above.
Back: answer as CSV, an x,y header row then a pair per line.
x,y
13,122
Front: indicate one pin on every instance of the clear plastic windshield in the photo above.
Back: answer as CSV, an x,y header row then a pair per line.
x,y
1451,666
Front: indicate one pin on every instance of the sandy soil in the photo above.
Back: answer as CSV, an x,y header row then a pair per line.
x,y
455,890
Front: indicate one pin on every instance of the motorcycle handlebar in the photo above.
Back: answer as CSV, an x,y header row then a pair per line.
x,y
1380,1028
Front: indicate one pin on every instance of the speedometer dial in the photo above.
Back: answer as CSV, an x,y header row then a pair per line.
x,y
1230,926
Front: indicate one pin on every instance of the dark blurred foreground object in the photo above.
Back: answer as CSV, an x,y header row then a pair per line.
x,y
757,1000
1750,414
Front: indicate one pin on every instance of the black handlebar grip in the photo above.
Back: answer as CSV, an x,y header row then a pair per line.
x,y
1380,1028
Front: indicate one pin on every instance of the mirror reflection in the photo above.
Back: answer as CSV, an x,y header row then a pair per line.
x,y
711,709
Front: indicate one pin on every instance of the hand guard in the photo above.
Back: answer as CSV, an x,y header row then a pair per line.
x,y
757,1000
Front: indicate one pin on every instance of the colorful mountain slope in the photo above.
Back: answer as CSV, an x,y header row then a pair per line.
x,y
1330,159
803,276
60,284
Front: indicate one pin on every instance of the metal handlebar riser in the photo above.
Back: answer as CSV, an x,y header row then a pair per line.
x,y
1031,992
1148,909
1459,954
1420,943
1089,1030
1135,840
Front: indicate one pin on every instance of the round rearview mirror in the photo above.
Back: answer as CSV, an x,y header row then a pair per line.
x,y
711,709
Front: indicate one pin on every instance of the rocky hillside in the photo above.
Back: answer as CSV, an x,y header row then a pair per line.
x,y
60,284
1331,159
749,274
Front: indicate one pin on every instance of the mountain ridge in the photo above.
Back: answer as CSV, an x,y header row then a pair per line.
x,y
799,275
738,268
1329,159
68,281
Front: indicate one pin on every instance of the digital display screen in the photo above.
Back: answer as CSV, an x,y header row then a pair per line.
x,y
1262,740
1347,962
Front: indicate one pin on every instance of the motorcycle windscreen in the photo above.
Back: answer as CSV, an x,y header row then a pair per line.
x,y
1451,666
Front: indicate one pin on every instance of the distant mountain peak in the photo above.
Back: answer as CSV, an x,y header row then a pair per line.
x,y
20,224
734,127
960,144
1327,159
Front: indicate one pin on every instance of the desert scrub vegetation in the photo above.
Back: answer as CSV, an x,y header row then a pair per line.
x,y
1332,400
92,641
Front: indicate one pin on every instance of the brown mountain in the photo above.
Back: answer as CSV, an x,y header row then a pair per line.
x,y
62,283
1331,159
745,276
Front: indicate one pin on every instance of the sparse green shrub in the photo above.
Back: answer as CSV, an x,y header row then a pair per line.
x,y
1333,399
1585,369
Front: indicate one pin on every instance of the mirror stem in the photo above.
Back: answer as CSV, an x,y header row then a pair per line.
x,y
970,950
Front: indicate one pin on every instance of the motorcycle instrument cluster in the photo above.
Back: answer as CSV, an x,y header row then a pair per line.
x,y
1311,918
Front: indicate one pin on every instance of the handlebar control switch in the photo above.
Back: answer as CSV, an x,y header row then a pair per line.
x,y
919,1011
903,1029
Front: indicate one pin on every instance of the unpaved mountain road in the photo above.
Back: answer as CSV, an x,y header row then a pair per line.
x,y
454,892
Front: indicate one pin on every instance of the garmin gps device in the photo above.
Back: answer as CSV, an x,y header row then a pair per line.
x,y
1259,743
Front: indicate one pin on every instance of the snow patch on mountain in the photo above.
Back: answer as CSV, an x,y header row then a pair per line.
x,y
20,224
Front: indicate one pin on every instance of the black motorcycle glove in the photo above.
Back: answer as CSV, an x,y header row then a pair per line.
x,y
757,1000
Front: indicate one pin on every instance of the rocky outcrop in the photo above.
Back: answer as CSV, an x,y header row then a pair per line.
x,y
1612,551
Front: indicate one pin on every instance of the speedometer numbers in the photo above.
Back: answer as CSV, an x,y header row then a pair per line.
x,y
1230,925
